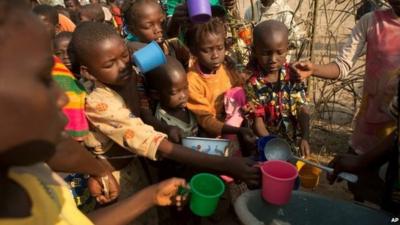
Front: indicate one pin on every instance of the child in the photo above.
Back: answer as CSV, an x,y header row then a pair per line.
x,y
49,17
209,78
61,43
31,192
150,28
169,86
278,104
91,12
73,6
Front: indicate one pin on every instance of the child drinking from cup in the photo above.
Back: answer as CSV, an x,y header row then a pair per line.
x,y
278,103
150,27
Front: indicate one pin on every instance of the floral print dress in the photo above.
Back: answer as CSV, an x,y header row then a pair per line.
x,y
278,102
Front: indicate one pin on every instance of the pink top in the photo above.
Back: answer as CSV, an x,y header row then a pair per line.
x,y
383,57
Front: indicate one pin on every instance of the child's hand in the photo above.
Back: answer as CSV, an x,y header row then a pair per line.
x,y
166,192
345,163
104,189
244,169
305,148
174,134
303,70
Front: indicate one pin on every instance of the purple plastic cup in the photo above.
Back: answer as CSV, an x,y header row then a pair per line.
x,y
199,10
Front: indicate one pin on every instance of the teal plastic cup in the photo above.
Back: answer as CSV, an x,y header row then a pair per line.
x,y
206,189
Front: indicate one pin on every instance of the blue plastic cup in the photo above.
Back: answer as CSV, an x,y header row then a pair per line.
x,y
199,10
149,57
261,142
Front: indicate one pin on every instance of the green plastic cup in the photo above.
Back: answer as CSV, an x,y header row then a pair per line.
x,y
206,189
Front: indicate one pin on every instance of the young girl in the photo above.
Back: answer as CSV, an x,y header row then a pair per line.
x,y
278,104
209,79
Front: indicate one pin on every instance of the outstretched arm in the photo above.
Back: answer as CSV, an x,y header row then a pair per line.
x,y
163,194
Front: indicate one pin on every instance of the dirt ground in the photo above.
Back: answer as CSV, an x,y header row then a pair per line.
x,y
325,145
327,140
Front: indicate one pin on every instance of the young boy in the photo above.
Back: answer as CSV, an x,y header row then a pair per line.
x,y
31,192
168,85
112,108
209,79
278,104
61,43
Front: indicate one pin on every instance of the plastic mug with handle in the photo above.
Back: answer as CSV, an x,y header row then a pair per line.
x,y
278,179
206,190
149,57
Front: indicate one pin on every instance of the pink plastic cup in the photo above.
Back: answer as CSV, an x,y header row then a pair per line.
x,y
278,178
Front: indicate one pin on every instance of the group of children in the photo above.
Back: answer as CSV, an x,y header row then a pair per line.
x,y
124,130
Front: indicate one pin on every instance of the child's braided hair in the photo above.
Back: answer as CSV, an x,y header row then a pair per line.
x,y
197,32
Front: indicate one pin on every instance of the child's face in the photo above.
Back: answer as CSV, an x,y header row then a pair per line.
x,y
271,52
84,16
33,101
175,96
210,51
149,23
395,4
71,5
61,50
109,62
51,28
